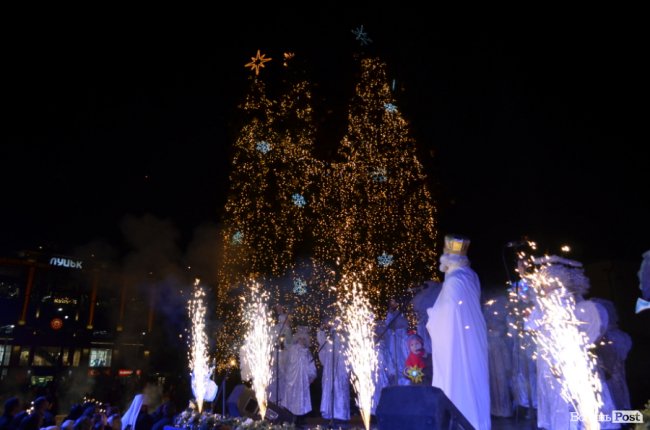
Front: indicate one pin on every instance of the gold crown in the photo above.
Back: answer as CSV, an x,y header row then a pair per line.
x,y
456,245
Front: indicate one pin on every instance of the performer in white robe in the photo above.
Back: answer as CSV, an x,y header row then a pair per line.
x,y
381,373
282,338
395,340
499,357
336,377
131,415
459,336
553,412
424,299
299,373
612,351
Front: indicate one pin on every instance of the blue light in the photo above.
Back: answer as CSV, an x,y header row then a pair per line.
x,y
298,200
237,238
385,260
299,286
390,108
263,146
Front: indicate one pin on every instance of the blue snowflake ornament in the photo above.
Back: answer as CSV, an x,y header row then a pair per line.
x,y
379,174
263,146
385,260
237,238
390,108
299,286
298,200
361,36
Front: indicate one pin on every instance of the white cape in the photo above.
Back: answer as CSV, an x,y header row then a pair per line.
x,y
459,346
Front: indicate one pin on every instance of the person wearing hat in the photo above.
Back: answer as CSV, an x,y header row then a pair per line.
x,y
459,336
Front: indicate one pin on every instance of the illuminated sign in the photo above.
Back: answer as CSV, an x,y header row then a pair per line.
x,y
124,372
64,301
66,262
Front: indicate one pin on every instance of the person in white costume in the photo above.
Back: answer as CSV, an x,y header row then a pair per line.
x,y
553,412
299,373
394,337
336,378
282,337
458,333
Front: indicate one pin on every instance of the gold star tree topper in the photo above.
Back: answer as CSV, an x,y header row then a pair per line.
x,y
257,62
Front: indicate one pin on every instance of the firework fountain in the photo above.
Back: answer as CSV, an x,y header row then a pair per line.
x,y
199,362
258,343
565,348
358,322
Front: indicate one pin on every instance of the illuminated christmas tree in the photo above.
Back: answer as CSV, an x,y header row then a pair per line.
x,y
378,219
269,203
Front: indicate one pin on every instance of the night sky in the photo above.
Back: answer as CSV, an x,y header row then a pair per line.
x,y
524,128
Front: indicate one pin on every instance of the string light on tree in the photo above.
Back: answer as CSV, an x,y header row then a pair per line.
x,y
364,211
282,129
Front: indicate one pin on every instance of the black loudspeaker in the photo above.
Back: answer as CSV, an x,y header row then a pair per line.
x,y
242,402
418,407
279,414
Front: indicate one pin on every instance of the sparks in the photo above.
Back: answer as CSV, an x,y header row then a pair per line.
x,y
361,353
200,369
565,349
258,343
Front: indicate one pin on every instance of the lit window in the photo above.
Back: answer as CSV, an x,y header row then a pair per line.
x,y
100,357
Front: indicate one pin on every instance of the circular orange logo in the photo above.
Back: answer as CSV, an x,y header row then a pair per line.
x,y
56,323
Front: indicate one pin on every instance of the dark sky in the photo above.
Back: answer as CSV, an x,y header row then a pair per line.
x,y
524,128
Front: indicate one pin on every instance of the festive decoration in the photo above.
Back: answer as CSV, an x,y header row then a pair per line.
x,y
299,286
237,238
361,351
298,200
379,174
263,146
257,62
287,56
385,260
361,35
200,369
363,211
258,204
414,373
390,108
